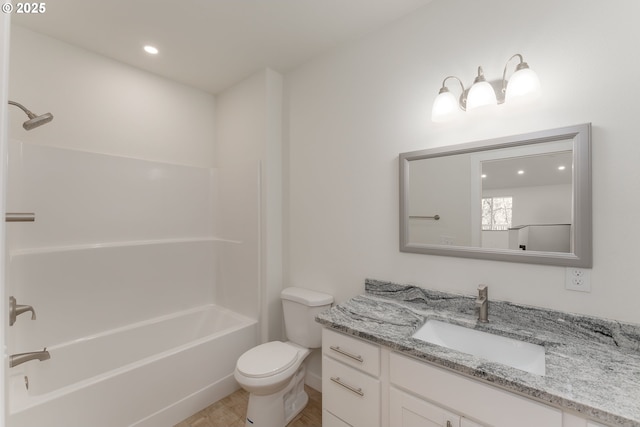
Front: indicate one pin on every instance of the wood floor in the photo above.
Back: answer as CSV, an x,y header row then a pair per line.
x,y
231,412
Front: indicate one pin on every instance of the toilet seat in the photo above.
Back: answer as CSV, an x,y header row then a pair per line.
x,y
267,359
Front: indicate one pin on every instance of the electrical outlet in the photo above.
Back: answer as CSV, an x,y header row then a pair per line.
x,y
447,240
578,279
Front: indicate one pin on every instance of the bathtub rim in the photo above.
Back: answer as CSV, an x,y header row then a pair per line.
x,y
20,400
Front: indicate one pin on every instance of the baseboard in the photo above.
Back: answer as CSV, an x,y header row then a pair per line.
x,y
184,408
314,381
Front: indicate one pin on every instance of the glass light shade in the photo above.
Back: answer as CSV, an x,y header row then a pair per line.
x,y
523,84
481,94
444,107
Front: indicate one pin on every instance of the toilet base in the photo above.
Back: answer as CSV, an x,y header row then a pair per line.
x,y
278,409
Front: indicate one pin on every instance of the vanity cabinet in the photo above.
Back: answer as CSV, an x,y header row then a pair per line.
x,y
368,385
409,411
350,381
475,404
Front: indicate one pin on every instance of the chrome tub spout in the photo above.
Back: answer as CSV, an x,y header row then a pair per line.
x,y
17,359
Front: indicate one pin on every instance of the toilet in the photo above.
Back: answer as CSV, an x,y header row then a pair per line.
x,y
273,373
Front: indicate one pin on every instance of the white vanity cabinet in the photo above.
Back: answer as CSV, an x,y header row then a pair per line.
x,y
409,411
364,384
350,381
475,404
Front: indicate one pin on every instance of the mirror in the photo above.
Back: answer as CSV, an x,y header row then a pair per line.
x,y
523,198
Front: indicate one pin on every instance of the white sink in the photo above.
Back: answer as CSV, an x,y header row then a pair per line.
x,y
517,354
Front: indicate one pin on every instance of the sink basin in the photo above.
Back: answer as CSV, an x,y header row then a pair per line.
x,y
508,351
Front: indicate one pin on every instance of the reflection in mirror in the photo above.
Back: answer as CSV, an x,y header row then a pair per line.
x,y
525,198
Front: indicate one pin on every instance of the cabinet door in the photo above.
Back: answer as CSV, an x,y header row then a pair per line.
x,y
409,411
464,422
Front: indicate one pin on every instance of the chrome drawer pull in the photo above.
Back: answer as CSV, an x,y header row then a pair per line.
x,y
19,217
357,391
345,353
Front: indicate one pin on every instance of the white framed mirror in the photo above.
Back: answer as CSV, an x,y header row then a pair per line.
x,y
523,198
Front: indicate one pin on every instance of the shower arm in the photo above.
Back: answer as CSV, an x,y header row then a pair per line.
x,y
23,108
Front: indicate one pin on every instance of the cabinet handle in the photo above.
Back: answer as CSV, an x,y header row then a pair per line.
x,y
346,353
19,217
352,389
448,423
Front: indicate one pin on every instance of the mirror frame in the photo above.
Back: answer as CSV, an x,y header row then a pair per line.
x,y
581,205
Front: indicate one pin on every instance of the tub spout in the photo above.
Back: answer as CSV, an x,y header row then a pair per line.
x,y
16,309
17,359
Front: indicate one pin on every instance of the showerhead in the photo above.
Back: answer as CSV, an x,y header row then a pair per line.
x,y
34,121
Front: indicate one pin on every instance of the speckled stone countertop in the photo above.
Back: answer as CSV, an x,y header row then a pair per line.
x,y
592,364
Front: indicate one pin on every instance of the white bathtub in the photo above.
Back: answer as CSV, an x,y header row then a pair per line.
x,y
153,373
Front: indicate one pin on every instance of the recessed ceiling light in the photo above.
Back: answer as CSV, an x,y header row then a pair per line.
x,y
561,168
484,175
521,172
151,50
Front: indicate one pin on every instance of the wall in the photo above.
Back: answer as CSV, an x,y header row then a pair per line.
x,y
103,106
440,188
5,23
249,159
353,110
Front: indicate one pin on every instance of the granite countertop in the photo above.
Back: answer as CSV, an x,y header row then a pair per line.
x,y
592,364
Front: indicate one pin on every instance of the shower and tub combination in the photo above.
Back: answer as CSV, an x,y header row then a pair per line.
x,y
120,259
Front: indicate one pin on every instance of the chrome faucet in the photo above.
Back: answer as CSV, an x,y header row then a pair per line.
x,y
15,310
17,359
482,303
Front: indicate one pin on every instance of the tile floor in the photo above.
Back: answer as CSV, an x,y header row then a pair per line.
x,y
231,412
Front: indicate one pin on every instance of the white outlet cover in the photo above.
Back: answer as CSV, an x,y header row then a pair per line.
x,y
578,279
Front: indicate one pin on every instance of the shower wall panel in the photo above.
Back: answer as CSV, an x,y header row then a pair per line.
x,y
116,240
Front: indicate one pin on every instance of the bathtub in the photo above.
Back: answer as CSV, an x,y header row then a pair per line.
x,y
152,373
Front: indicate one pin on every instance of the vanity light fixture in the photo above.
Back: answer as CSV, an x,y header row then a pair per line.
x,y
523,84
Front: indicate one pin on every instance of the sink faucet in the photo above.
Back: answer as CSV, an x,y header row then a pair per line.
x,y
17,359
482,303
16,309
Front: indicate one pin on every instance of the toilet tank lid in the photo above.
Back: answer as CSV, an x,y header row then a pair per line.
x,y
306,296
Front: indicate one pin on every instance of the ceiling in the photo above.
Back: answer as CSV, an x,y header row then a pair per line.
x,y
212,44
537,170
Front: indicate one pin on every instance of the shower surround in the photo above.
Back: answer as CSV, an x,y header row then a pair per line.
x,y
118,243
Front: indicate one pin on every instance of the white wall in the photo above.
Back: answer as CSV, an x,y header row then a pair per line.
x,y
5,23
440,187
249,158
353,110
103,106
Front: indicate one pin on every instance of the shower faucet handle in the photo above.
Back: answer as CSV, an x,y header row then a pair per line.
x,y
15,310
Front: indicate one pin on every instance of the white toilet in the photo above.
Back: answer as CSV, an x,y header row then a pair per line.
x,y
273,373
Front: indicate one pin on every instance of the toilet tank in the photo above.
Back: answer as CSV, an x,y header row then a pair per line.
x,y
300,308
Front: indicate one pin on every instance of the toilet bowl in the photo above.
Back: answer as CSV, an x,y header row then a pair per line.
x,y
273,373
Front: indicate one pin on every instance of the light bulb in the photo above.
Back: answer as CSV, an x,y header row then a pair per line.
x,y
481,94
152,50
523,84
445,106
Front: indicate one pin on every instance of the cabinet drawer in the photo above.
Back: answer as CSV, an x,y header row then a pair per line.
x,y
352,351
330,420
349,394
491,405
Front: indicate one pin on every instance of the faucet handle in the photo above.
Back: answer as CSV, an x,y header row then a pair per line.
x,y
483,290
15,310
